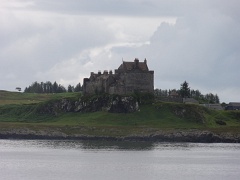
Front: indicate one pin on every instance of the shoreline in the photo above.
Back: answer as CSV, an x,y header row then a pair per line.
x,y
193,136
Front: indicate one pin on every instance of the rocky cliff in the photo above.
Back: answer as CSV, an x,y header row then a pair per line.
x,y
109,103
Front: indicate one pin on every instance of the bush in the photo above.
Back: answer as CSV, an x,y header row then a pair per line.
x,y
220,122
144,98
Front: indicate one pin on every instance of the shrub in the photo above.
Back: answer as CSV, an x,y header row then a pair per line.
x,y
220,122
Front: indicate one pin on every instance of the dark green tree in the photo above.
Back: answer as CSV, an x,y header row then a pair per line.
x,y
46,87
18,88
55,87
185,90
198,94
70,88
61,89
217,100
157,92
49,87
78,88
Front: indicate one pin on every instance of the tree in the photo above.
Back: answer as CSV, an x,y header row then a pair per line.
x,y
46,87
55,87
213,99
26,90
198,94
217,100
18,88
157,92
49,87
61,89
78,88
184,90
70,88
223,104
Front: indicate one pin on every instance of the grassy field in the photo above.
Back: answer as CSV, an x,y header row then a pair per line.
x,y
7,97
18,110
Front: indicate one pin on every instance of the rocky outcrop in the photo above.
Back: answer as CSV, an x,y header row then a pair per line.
x,y
152,135
109,103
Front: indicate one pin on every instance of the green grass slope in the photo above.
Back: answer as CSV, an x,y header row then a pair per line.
x,y
7,97
17,111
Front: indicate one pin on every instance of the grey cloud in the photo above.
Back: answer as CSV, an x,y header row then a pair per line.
x,y
137,7
104,7
57,39
202,48
129,7
109,7
35,44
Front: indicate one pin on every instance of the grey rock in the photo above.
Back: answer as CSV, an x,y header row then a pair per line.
x,y
117,104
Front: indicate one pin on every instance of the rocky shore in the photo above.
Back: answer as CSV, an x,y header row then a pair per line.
x,y
196,136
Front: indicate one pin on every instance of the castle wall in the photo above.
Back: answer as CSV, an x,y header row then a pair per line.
x,y
92,87
139,81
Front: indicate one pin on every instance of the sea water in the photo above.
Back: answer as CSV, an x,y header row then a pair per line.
x,y
50,159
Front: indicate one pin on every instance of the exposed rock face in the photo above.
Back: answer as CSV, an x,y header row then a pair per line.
x,y
114,104
196,136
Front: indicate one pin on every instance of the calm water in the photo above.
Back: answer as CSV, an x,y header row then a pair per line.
x,y
30,159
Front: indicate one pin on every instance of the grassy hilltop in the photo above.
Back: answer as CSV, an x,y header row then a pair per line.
x,y
19,110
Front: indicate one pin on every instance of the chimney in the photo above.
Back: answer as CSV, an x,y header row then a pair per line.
x,y
136,62
145,61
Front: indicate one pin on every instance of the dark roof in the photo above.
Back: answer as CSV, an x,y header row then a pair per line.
x,y
190,100
234,104
128,66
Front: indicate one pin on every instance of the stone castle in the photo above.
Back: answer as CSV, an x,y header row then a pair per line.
x,y
128,78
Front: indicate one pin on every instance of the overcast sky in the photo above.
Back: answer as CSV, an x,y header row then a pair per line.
x,y
64,40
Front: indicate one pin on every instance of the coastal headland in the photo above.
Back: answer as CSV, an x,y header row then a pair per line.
x,y
112,117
